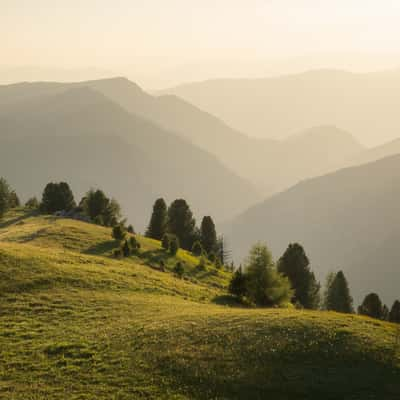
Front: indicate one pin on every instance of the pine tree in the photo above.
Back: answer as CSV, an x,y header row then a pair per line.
x,y
222,251
4,195
181,223
32,203
13,200
372,306
158,222
197,249
165,242
237,285
57,197
134,244
208,235
294,264
394,315
265,286
118,233
338,298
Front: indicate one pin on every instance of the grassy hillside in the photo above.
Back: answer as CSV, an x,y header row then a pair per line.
x,y
78,324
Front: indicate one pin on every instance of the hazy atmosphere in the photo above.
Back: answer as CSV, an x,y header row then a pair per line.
x,y
199,200
160,43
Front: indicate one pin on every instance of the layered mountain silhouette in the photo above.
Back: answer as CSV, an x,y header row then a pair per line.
x,y
74,132
363,104
346,220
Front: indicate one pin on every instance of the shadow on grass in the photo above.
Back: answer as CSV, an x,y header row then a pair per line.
x,y
102,248
227,300
19,218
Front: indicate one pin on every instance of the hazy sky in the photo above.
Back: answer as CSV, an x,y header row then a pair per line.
x,y
151,36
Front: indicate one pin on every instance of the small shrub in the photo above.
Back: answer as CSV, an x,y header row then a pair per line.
x,y
197,249
134,244
178,269
126,249
117,253
202,264
118,233
130,229
173,245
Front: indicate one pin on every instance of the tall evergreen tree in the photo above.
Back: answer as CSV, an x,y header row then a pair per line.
x,y
237,285
4,196
394,315
181,223
372,306
265,286
57,197
13,200
294,264
158,222
223,252
208,235
338,297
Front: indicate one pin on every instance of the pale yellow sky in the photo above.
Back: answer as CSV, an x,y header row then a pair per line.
x,y
146,38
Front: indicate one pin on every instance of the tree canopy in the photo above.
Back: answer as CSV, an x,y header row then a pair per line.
x,y
294,264
158,222
338,296
57,197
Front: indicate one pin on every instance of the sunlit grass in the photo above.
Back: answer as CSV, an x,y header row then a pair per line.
x,y
76,323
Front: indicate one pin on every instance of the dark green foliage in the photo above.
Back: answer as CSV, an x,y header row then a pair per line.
x,y
173,245
178,269
117,253
130,229
202,265
208,235
181,223
4,196
134,244
100,209
158,222
372,306
126,249
222,251
394,315
294,264
197,249
119,232
212,257
165,242
32,203
265,286
57,197
13,200
237,285
218,263
385,313
338,296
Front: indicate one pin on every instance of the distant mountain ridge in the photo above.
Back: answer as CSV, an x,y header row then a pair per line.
x,y
364,104
127,155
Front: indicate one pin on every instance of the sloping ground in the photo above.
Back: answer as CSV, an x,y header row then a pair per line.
x,y
77,324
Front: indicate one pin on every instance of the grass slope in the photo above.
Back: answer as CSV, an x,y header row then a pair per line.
x,y
77,324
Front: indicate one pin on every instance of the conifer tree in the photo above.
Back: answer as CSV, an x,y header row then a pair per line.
x,y
158,221
4,196
372,306
338,297
165,242
57,197
208,235
294,264
394,315
13,200
237,285
178,269
197,249
181,223
265,286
